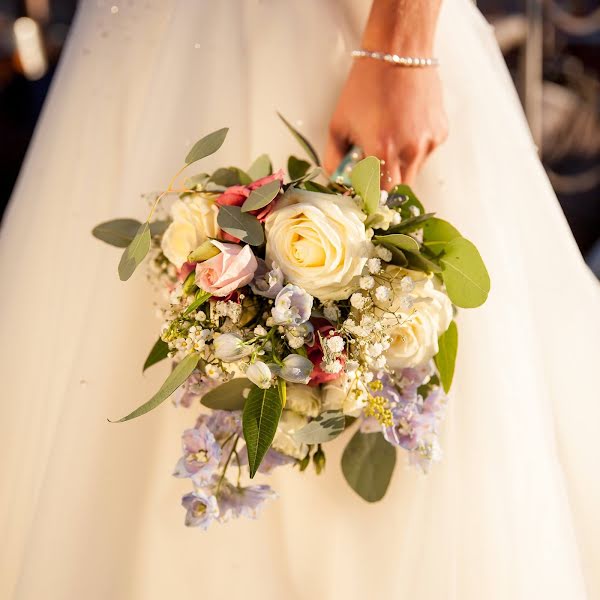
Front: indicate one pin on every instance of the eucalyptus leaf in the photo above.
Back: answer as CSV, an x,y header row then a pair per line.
x,y
135,252
465,276
437,233
313,186
445,359
159,352
418,262
297,168
398,257
302,141
241,225
411,224
200,179
399,240
118,232
177,377
208,145
262,412
230,395
324,428
410,200
368,463
228,176
157,228
260,168
201,298
260,197
365,178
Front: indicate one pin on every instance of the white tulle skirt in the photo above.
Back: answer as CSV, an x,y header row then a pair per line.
x,y
88,509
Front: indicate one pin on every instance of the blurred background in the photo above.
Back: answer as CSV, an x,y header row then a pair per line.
x,y
552,48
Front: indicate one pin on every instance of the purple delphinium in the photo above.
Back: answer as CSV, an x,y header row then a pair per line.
x,y
193,389
292,306
201,455
271,461
237,502
223,424
202,509
267,282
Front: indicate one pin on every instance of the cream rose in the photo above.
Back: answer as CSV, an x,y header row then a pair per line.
x,y
194,221
319,242
284,440
415,330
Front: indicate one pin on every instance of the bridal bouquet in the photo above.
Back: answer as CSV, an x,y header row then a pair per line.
x,y
296,310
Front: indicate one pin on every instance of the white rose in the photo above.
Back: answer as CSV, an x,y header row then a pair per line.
x,y
319,242
415,331
284,440
194,221
303,399
343,394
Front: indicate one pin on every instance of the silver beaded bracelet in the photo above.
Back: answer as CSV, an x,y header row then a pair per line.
x,y
402,61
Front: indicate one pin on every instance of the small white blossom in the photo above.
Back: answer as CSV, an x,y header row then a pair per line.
x,y
358,301
414,210
260,331
384,253
374,265
352,366
331,312
294,341
367,282
200,316
212,371
335,344
382,293
407,284
375,349
380,362
335,366
383,196
229,347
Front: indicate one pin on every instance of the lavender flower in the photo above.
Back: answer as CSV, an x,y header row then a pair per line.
x,y
202,509
222,424
267,282
201,455
292,306
296,369
271,461
193,389
237,502
260,374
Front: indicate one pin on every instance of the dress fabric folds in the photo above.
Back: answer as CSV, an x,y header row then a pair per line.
x,y
88,508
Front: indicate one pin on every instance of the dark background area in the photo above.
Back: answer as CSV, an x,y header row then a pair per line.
x,y
552,48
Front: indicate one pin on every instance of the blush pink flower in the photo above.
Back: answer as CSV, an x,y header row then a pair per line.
x,y
231,269
315,354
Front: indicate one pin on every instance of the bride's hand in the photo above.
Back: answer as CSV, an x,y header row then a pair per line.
x,y
394,113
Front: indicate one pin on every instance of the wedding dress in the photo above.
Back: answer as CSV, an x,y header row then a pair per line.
x,y
88,508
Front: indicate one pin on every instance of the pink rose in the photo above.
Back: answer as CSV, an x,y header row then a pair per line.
x,y
236,195
231,269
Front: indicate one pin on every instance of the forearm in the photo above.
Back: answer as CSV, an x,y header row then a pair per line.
x,y
405,27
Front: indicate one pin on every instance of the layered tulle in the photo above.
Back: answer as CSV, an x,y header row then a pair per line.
x,y
88,508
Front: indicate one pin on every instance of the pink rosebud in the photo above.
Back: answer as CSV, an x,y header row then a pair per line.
x,y
315,354
231,269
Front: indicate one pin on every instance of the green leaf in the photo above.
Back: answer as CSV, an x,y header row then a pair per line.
x,y
203,252
418,262
135,253
297,168
228,396
302,141
412,224
228,176
326,427
199,179
398,257
260,168
445,359
208,145
178,376
365,178
399,240
157,228
241,225
159,351
368,463
313,186
437,233
261,196
408,200
262,412
465,276
201,298
118,232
